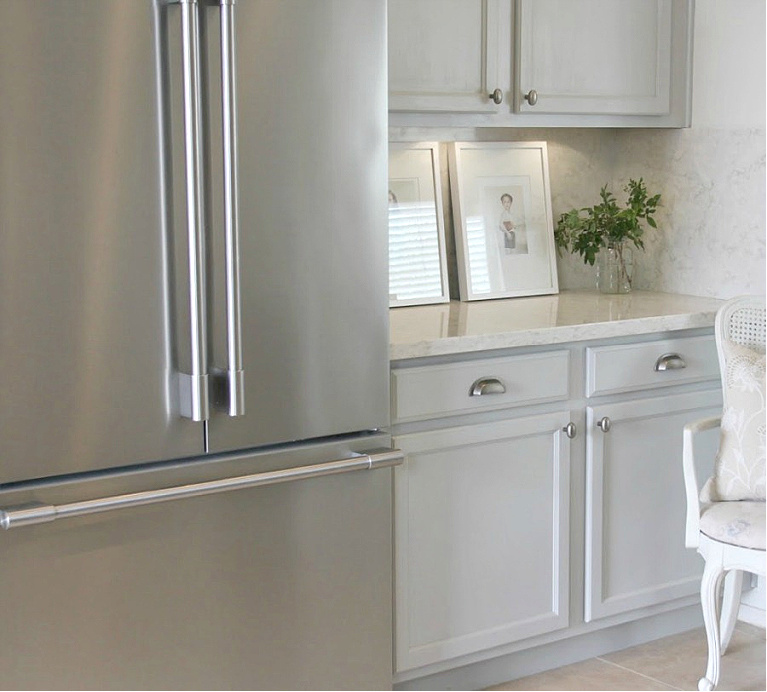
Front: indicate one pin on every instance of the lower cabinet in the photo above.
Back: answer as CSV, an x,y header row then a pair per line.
x,y
483,560
481,536
635,502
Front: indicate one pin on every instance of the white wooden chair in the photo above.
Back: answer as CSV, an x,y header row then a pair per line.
x,y
726,519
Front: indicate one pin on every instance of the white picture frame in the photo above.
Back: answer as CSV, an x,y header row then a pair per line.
x,y
417,255
503,222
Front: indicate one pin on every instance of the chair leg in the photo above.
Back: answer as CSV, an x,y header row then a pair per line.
x,y
733,585
709,596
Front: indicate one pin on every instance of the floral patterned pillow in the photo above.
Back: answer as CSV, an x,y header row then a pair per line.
x,y
739,471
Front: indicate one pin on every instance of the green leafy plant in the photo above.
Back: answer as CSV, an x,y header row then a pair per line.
x,y
607,224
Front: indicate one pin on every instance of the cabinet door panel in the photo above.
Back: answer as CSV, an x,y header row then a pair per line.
x,y
448,55
482,516
635,502
595,56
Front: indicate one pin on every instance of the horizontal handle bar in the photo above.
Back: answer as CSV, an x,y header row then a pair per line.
x,y
41,513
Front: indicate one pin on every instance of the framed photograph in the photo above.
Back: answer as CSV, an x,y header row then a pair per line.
x,y
503,223
417,264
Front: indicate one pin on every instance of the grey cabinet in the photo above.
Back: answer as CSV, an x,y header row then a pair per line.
x,y
635,506
512,528
569,63
481,537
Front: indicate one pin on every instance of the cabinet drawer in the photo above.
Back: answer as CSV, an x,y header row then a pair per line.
x,y
615,369
433,391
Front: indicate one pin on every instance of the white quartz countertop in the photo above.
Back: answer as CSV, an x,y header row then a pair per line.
x,y
455,327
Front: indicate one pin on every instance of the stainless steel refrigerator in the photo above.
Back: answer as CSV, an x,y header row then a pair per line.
x,y
195,473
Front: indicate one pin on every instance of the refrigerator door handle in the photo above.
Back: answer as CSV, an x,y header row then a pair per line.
x,y
193,388
30,514
232,380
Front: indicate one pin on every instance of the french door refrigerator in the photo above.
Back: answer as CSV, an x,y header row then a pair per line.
x,y
195,473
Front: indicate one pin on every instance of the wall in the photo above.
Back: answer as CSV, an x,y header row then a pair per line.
x,y
712,175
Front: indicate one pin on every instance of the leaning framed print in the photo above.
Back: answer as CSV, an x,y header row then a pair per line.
x,y
502,216
417,264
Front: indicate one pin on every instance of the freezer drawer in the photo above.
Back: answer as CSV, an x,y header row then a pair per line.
x,y
286,586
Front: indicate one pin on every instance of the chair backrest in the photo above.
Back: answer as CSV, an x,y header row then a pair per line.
x,y
742,321
739,469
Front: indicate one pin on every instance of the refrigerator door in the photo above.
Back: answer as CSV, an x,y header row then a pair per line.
x,y
312,148
285,586
92,326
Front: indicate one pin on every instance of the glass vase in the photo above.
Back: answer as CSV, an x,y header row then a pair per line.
x,y
615,268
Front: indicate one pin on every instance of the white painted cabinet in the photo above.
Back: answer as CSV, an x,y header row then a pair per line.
x,y
449,55
481,537
635,502
548,62
595,56
510,535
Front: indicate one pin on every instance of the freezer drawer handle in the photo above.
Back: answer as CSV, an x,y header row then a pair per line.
x,y
234,377
40,513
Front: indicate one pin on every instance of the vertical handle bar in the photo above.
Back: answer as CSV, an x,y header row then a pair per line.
x,y
193,388
235,379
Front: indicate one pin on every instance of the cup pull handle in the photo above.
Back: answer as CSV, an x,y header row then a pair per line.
x,y
487,385
670,361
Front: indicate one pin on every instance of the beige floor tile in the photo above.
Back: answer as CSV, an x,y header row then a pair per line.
x,y
680,660
750,630
587,675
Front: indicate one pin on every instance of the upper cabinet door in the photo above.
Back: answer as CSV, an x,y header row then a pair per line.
x,y
601,57
450,55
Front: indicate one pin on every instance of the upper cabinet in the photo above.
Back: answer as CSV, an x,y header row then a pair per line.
x,y
449,55
528,63
594,56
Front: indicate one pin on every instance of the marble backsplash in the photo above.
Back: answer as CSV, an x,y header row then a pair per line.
x,y
710,239
711,227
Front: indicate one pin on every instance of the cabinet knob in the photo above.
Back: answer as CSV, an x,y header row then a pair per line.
x,y
531,97
570,430
487,385
670,361
496,97
604,424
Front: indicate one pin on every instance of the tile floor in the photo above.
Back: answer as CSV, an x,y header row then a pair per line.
x,y
671,663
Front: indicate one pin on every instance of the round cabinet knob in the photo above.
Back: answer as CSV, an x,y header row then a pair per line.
x,y
604,424
531,97
496,97
570,430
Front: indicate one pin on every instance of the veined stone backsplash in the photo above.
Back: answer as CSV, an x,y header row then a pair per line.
x,y
710,239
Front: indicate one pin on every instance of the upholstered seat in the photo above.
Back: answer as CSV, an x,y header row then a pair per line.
x,y
726,521
735,523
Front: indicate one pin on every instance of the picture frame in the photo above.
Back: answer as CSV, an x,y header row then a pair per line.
x,y
417,254
503,221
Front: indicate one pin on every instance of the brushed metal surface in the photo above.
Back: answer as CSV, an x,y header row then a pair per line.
x,y
193,389
312,217
92,327
279,587
235,376
669,361
28,515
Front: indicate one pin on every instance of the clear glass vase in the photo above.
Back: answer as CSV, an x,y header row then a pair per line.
x,y
615,268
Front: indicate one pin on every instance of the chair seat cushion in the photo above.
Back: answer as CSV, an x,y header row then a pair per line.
x,y
736,523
